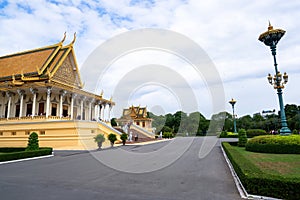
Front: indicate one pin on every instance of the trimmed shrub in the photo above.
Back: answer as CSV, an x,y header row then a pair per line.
x,y
275,144
242,138
257,182
112,138
33,142
124,137
99,139
15,155
255,132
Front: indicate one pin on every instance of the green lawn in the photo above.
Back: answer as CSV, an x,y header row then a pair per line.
x,y
286,165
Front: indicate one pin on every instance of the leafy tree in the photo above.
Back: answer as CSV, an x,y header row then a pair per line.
x,y
33,142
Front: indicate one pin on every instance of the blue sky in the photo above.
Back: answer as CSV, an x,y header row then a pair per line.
x,y
228,32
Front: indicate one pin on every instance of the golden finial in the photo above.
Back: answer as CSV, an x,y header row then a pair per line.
x,y
101,94
270,26
65,35
110,99
73,41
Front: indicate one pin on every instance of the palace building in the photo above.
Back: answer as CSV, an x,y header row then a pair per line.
x,y
136,116
41,91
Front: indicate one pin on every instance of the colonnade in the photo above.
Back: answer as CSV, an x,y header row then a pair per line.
x,y
51,101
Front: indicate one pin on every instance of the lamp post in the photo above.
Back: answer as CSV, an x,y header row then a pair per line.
x,y
270,38
232,102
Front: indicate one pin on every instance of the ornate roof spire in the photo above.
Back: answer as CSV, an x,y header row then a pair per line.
x,y
65,34
270,26
74,39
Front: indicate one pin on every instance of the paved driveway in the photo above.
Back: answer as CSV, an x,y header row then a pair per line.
x,y
78,175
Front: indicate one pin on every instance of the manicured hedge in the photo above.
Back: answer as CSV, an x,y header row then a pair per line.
x,y
23,154
255,132
275,144
259,183
11,149
225,134
168,135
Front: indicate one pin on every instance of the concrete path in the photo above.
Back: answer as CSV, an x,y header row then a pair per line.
x,y
78,175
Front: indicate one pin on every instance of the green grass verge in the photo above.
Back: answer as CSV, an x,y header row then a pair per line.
x,y
8,154
273,175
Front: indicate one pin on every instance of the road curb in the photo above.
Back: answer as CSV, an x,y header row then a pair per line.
x,y
26,159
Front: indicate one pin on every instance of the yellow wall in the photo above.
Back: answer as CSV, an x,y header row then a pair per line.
x,y
57,134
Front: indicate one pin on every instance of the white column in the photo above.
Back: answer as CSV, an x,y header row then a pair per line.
x,y
8,103
81,109
62,94
110,107
33,91
96,112
90,110
21,94
103,112
73,96
48,101
2,111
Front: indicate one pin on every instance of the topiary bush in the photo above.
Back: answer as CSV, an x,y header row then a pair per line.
x,y
275,144
242,138
112,138
99,139
33,142
124,137
255,132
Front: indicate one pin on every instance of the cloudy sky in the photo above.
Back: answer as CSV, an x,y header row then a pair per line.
x,y
227,33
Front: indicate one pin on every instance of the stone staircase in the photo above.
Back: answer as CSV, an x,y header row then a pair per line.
x,y
141,137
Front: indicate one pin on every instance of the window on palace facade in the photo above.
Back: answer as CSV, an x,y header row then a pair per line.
x,y
17,110
29,109
1,133
14,133
42,132
144,124
41,108
65,110
27,132
54,109
138,123
92,131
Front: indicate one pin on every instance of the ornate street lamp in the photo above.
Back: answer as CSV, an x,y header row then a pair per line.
x,y
270,38
232,102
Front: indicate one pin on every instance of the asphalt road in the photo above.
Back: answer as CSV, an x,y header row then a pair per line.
x,y
78,175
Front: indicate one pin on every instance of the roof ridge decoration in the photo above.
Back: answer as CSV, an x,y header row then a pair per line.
x,y
59,44
72,42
